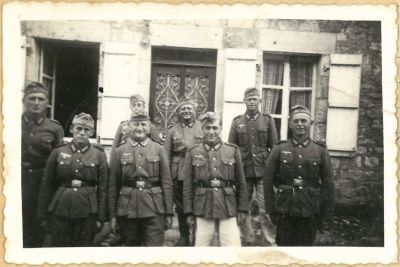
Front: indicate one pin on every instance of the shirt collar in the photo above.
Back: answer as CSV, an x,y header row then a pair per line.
x,y
142,143
190,124
82,149
248,117
215,147
27,120
304,143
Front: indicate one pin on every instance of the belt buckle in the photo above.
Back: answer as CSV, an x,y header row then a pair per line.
x,y
298,182
76,183
140,184
215,183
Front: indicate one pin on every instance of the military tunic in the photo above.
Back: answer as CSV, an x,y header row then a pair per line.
x,y
140,209
302,174
255,137
37,141
202,165
74,191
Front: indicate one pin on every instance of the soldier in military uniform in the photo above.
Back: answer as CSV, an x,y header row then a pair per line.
x,y
39,136
255,135
300,170
74,188
137,103
214,188
180,137
140,191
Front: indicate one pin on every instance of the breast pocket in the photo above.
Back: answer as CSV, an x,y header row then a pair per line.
x,y
242,135
315,166
199,168
127,166
229,168
90,169
154,166
286,163
63,165
263,137
177,144
46,142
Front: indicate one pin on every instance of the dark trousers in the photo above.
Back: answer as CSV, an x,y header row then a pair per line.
x,y
178,200
295,231
66,232
145,232
30,186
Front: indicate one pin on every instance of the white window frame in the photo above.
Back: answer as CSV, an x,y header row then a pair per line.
x,y
43,75
286,89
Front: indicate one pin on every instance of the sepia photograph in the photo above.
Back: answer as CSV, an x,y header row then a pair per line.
x,y
259,134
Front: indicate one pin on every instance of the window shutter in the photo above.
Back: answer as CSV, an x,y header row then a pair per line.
x,y
119,75
343,99
240,73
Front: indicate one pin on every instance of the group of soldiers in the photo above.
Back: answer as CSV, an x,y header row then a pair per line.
x,y
69,191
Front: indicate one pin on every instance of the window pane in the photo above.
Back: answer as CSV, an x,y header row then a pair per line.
x,y
271,101
273,72
301,74
300,98
48,60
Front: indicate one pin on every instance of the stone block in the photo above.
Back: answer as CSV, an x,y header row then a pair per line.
x,y
371,162
240,38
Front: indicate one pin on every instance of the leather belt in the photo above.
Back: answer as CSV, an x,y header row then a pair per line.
x,y
79,183
140,184
215,183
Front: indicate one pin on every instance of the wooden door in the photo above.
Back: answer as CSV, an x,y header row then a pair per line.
x,y
170,82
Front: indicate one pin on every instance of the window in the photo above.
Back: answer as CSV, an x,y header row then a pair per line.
x,y
70,71
287,81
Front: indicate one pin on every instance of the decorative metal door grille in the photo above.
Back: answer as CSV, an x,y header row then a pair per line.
x,y
170,83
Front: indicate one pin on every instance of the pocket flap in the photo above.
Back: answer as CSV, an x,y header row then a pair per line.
x,y
229,191
286,157
90,163
153,159
198,162
126,160
315,161
156,190
48,138
229,161
64,161
200,191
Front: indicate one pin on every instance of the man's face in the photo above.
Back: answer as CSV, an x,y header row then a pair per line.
x,y
36,103
187,112
81,132
137,106
252,103
300,125
212,132
140,130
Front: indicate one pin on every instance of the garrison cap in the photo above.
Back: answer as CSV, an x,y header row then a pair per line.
x,y
136,98
140,115
209,117
35,87
186,100
252,91
299,109
83,119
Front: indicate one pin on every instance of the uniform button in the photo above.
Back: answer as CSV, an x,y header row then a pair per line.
x,y
79,151
252,128
300,177
76,170
92,164
299,166
254,155
140,155
75,189
30,170
140,166
300,156
253,137
77,160
124,162
253,145
300,146
284,160
214,158
32,134
214,169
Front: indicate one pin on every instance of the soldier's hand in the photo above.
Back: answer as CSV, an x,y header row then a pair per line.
x,y
168,222
241,217
190,220
113,225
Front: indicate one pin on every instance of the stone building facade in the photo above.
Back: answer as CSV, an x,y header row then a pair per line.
x,y
334,67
